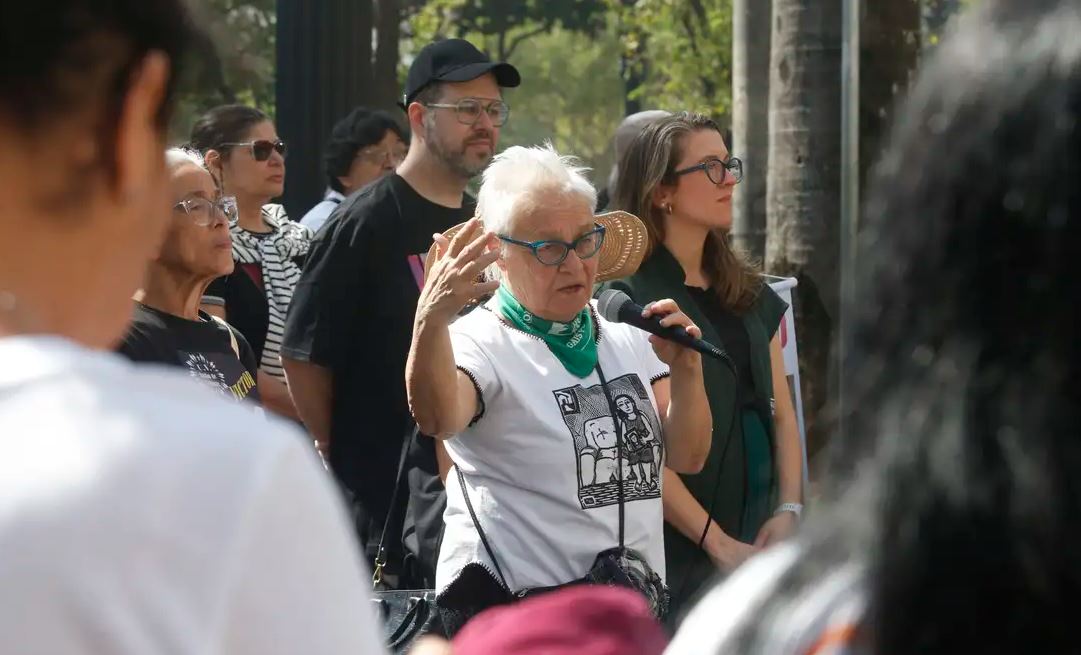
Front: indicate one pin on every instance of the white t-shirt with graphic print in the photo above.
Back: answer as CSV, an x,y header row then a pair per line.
x,y
540,459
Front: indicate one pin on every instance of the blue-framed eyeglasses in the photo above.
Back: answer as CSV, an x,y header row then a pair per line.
x,y
552,252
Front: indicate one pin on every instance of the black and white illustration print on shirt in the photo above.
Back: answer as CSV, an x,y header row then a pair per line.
x,y
593,429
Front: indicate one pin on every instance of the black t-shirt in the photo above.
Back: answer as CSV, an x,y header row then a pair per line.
x,y
245,306
203,348
353,311
733,336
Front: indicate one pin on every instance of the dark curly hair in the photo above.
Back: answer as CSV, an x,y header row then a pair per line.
x,y
361,128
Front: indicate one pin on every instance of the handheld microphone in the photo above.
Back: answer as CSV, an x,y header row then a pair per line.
x,y
617,307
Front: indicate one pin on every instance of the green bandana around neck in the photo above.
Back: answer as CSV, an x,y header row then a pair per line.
x,y
571,343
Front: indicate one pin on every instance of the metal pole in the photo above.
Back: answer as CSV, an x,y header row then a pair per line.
x,y
850,190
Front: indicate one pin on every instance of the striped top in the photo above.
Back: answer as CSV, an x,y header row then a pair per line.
x,y
276,253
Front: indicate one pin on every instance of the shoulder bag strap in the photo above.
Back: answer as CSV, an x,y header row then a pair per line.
x,y
619,448
619,467
232,335
381,552
480,531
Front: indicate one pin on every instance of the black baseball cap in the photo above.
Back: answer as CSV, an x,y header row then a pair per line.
x,y
454,60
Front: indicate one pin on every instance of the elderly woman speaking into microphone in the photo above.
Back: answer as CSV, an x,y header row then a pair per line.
x,y
556,420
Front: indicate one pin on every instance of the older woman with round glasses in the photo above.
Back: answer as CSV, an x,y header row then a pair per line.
x,y
168,326
545,408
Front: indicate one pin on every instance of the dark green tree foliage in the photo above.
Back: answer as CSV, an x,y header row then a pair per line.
x,y
506,25
235,62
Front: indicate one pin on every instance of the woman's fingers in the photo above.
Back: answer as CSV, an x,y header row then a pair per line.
x,y
474,268
660,308
677,318
670,315
442,244
476,247
464,236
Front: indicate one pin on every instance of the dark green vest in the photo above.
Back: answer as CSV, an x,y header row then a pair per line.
x,y
661,277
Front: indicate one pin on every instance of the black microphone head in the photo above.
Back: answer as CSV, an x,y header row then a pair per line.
x,y
610,302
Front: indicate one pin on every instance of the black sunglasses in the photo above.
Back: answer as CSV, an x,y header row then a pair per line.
x,y
261,149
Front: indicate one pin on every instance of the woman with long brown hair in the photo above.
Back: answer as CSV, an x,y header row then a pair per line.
x,y
678,177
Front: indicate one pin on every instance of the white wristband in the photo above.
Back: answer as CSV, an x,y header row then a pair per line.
x,y
795,508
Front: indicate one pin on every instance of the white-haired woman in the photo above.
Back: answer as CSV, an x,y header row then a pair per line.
x,y
167,325
523,392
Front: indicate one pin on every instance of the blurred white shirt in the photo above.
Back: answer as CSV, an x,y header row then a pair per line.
x,y
319,214
141,514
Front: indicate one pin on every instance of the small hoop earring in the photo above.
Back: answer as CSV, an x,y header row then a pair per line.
x,y
668,207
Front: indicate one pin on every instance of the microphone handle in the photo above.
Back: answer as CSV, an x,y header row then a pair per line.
x,y
675,333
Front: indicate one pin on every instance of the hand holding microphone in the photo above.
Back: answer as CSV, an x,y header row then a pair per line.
x,y
676,339
663,319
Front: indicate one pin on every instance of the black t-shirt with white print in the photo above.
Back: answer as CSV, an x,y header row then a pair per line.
x,y
352,312
203,348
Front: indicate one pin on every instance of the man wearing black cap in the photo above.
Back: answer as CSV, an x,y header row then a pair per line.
x,y
351,320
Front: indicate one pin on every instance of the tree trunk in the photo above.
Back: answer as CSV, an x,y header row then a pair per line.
x,y
632,68
750,121
388,21
324,70
889,56
803,198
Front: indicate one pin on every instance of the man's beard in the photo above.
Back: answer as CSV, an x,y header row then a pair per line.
x,y
455,158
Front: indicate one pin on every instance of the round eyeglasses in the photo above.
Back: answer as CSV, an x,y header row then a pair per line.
x,y
201,211
469,110
716,169
376,157
552,252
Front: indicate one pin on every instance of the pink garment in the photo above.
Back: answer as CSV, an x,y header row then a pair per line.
x,y
583,620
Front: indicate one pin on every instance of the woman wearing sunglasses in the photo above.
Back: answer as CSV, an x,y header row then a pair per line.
x,y
167,326
678,175
247,159
545,408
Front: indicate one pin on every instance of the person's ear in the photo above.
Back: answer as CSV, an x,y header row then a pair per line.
x,y
662,196
140,139
213,160
415,112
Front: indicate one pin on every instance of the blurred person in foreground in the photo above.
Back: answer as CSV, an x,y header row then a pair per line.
x,y
556,420
167,326
139,512
958,522
363,147
247,159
